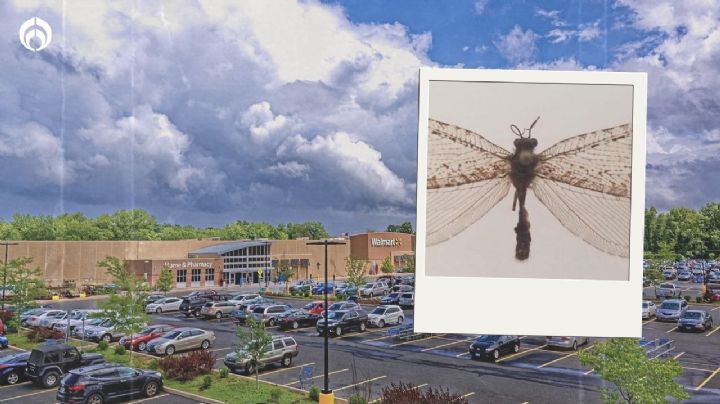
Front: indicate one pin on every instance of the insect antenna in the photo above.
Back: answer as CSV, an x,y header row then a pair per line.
x,y
521,134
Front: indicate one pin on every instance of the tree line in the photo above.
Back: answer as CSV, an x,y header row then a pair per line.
x,y
683,232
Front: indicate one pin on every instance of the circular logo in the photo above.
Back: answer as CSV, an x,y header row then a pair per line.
x,y
35,34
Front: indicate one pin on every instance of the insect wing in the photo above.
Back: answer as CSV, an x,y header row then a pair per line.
x,y
467,176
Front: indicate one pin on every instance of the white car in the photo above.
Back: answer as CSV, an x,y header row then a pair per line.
x,y
76,320
384,315
407,299
648,309
79,330
166,304
49,321
245,300
374,289
34,321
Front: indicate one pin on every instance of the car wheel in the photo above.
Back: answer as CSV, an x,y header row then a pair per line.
x,y
107,338
12,378
151,389
496,354
50,379
271,322
372,294
250,368
170,350
574,346
381,323
400,320
338,331
95,398
142,346
295,325
218,315
516,348
205,344
286,360
363,326
158,310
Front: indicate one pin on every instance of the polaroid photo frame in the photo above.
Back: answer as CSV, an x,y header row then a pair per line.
x,y
530,202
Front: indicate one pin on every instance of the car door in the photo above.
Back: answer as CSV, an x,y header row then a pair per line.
x,y
109,382
184,341
351,320
130,381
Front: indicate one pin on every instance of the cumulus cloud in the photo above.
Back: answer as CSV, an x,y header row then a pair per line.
x,y
479,6
518,45
261,121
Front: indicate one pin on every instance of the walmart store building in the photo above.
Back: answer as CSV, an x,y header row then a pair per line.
x,y
206,263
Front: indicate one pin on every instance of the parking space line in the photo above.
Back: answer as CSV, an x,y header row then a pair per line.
x,y
704,382
317,377
284,369
221,349
561,358
27,395
588,372
698,369
678,355
649,321
414,340
444,345
13,385
355,334
378,339
715,308
713,331
520,353
148,399
472,393
671,330
359,383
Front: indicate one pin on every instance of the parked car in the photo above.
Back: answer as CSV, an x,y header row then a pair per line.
x,y
347,289
191,307
374,289
76,319
684,276
671,310
566,342
270,313
12,368
281,350
79,331
296,319
343,306
648,309
154,298
245,299
341,321
139,341
320,288
104,331
199,294
47,363
315,307
165,304
36,319
25,316
302,286
493,346
669,274
217,309
107,382
667,290
407,299
181,339
402,288
384,315
697,271
392,298
49,321
695,320
4,343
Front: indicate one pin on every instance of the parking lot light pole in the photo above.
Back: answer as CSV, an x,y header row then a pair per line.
x,y
326,396
6,244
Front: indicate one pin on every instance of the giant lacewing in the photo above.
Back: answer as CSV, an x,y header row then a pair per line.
x,y
584,181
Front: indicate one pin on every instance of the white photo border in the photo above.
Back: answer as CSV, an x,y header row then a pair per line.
x,y
522,306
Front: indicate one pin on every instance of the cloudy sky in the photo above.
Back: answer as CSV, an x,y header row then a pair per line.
x,y
204,112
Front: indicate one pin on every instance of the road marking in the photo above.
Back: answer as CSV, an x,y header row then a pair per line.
x,y
466,395
13,385
713,331
520,353
678,355
449,343
561,358
715,308
362,382
671,330
284,369
221,349
355,334
588,372
698,369
462,354
704,382
649,321
317,377
378,339
149,398
414,340
28,395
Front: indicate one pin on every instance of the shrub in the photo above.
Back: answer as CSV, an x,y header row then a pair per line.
x,y
224,372
103,345
119,350
314,393
698,299
188,366
687,298
407,393
206,382
275,395
357,399
6,316
44,334
153,365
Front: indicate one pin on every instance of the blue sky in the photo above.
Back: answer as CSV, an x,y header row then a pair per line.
x,y
224,110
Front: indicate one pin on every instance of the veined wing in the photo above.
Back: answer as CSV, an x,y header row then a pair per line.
x,y
601,219
467,176
599,161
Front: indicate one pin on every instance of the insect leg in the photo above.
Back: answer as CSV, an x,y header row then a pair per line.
x,y
522,249
515,198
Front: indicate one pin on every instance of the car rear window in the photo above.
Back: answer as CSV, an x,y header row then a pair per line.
x,y
259,310
692,314
670,306
208,305
407,295
289,341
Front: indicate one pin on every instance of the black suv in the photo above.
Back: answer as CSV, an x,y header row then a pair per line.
x,y
48,362
343,320
100,383
192,304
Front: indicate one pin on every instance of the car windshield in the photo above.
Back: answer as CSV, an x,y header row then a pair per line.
x,y
335,315
238,297
378,311
96,321
393,295
9,358
667,285
670,306
171,335
368,285
488,338
692,315
645,305
309,306
336,306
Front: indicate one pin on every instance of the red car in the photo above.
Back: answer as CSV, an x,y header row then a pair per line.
x,y
139,341
315,307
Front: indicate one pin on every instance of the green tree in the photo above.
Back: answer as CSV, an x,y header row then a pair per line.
x,y
409,264
126,309
355,271
25,281
311,230
34,227
165,281
637,378
135,224
387,266
253,344
405,227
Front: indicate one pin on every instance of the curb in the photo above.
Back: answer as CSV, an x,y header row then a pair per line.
x,y
192,396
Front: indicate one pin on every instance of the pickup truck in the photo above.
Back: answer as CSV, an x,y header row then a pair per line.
x,y
48,363
667,290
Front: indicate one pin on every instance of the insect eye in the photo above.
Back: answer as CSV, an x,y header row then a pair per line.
x,y
516,142
534,142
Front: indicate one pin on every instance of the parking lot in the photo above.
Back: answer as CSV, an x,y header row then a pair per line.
x,y
366,362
